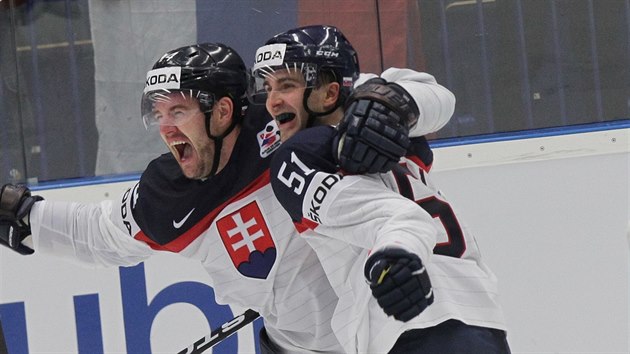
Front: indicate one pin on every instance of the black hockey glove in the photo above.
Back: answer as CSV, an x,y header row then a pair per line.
x,y
15,205
374,132
399,282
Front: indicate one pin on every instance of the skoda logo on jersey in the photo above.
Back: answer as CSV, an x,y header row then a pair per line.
x,y
248,241
320,188
270,55
268,139
168,78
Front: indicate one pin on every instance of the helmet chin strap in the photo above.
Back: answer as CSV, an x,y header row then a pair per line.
x,y
218,142
313,115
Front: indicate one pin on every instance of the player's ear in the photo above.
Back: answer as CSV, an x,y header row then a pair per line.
x,y
224,107
331,95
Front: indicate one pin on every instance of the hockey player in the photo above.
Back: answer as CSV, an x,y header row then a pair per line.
x,y
429,291
209,199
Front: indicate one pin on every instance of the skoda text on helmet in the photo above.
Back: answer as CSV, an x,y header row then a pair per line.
x,y
311,50
205,72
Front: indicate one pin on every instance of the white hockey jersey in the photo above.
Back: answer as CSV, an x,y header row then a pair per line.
x,y
344,218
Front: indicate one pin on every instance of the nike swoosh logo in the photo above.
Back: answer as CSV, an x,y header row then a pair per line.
x,y
179,224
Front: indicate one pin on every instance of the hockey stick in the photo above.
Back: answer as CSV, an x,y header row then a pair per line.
x,y
219,334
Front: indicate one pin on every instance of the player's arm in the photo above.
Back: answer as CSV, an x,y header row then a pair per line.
x,y
91,233
304,159
436,103
85,232
355,208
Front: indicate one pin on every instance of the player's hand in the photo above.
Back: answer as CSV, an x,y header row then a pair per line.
x,y
399,282
374,132
15,205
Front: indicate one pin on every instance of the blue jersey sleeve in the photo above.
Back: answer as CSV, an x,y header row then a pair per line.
x,y
295,164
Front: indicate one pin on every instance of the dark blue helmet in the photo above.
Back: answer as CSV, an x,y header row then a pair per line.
x,y
206,71
311,49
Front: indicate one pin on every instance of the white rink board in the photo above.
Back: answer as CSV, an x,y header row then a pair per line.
x,y
552,223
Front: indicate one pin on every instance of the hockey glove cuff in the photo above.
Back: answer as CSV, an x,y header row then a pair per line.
x,y
15,206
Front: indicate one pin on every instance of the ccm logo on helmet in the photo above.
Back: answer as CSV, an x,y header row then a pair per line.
x,y
327,54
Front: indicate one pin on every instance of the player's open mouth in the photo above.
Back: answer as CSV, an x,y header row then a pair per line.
x,y
184,150
285,117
